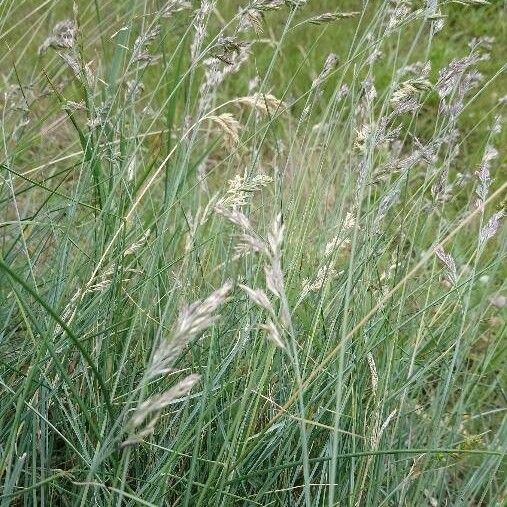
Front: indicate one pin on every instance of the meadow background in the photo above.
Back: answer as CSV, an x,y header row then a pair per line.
x,y
253,253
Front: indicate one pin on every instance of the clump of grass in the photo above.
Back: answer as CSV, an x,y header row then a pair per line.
x,y
326,187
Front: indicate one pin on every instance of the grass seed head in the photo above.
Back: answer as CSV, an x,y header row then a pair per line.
x,y
273,333
63,36
146,415
490,229
449,263
174,6
266,104
251,19
228,125
192,320
260,298
329,65
329,17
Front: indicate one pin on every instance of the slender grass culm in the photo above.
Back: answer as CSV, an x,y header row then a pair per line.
x,y
253,252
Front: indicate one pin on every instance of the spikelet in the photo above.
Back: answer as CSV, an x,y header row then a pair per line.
x,y
404,99
373,372
192,320
249,243
341,241
483,175
140,50
63,36
174,6
378,434
264,103
134,89
268,5
274,280
228,60
329,17
71,105
228,125
241,189
135,247
329,65
273,333
260,298
449,263
146,415
199,23
324,274
296,4
63,39
275,236
273,270
491,228
249,19
234,216
397,14
451,75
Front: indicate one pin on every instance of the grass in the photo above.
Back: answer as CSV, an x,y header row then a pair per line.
x,y
231,274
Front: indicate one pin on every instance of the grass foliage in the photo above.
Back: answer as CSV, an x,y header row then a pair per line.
x,y
253,253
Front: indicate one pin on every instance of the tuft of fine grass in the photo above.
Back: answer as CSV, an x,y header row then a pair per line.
x,y
253,254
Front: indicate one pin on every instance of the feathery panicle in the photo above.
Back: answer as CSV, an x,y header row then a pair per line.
x,y
250,19
241,190
373,372
268,5
140,50
274,280
264,103
404,99
80,70
398,13
200,315
63,39
449,263
386,203
296,4
134,89
491,228
273,270
260,298
329,65
273,333
329,17
192,320
341,241
135,247
450,75
146,415
483,175
234,216
275,236
63,36
250,243
199,23
174,6
228,125
324,274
